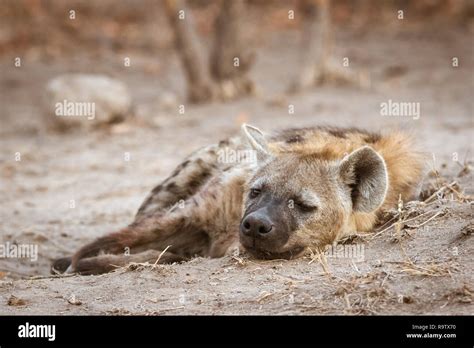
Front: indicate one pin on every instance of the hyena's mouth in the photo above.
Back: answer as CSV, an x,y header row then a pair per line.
x,y
272,255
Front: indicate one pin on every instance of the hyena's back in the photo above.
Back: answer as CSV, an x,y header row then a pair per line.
x,y
404,163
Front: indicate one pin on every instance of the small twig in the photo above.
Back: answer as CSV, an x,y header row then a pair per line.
x,y
389,221
348,302
355,267
431,218
264,295
435,195
461,196
59,275
404,221
383,281
405,254
170,309
159,257
318,255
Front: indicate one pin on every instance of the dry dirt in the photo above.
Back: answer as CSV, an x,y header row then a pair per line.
x,y
425,269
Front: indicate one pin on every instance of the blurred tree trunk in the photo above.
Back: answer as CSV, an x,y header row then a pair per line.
x,y
225,75
231,58
315,44
200,85
326,39
316,66
307,72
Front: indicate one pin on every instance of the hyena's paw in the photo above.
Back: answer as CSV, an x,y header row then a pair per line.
x,y
61,265
234,250
92,265
107,263
98,264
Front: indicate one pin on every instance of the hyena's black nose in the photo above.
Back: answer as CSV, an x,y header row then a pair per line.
x,y
256,224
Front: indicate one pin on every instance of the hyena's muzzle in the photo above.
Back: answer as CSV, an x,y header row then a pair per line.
x,y
265,230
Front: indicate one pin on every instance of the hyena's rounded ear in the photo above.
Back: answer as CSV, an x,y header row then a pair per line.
x,y
256,139
365,172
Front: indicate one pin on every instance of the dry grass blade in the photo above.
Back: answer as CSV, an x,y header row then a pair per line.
x,y
441,190
425,222
429,270
401,222
321,258
240,261
263,296
161,254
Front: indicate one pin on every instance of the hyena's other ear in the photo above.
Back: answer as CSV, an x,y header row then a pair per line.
x,y
257,140
365,172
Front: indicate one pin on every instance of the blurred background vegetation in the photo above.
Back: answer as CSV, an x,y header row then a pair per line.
x,y
174,61
43,26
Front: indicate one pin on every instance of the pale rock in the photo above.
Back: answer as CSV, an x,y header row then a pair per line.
x,y
86,100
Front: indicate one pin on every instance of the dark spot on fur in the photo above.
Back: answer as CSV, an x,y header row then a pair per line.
x,y
174,174
145,205
338,133
372,138
223,143
157,189
295,139
195,183
199,180
179,169
291,133
171,186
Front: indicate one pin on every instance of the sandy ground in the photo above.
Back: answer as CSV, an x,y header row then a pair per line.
x,y
424,269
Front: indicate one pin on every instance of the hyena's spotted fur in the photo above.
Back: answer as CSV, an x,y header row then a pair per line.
x,y
198,209
188,177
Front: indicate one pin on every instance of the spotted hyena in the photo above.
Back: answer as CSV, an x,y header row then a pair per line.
x,y
272,195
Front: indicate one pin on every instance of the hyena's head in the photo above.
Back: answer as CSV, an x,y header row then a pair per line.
x,y
294,201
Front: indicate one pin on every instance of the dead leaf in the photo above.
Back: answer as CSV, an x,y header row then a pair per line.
x,y
16,301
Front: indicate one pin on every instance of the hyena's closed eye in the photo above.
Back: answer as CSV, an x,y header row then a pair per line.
x,y
254,193
307,202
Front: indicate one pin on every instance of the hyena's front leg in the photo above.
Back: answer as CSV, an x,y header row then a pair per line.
x,y
154,233
118,243
106,263
206,224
